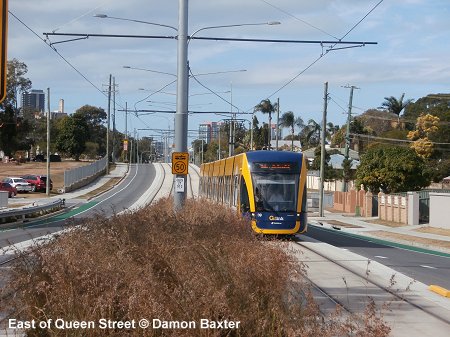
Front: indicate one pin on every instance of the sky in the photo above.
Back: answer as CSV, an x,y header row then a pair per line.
x,y
411,55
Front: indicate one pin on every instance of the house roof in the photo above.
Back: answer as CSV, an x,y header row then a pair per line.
x,y
351,153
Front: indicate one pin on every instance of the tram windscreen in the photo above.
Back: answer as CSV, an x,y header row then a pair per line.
x,y
275,191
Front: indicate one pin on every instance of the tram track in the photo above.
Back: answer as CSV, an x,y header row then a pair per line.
x,y
340,283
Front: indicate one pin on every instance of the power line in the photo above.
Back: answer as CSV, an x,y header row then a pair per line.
x,y
60,55
298,19
391,139
323,53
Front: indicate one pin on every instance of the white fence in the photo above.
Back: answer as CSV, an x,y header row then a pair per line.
x,y
79,176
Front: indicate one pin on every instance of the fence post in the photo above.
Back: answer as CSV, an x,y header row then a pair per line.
x,y
413,208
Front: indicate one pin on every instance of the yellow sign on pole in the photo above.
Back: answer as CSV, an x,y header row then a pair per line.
x,y
180,162
3,43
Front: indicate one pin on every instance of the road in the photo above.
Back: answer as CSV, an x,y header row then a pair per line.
x,y
122,196
426,268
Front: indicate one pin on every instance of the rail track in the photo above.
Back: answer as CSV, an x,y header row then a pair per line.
x,y
336,282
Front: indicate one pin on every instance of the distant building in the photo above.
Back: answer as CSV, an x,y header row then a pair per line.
x,y
209,131
33,101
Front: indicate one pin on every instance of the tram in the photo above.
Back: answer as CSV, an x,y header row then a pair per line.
x,y
269,187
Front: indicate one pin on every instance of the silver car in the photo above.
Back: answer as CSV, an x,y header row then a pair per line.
x,y
20,184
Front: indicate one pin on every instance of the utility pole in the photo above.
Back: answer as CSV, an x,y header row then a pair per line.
x,y
47,183
113,156
108,122
347,133
322,149
126,131
278,123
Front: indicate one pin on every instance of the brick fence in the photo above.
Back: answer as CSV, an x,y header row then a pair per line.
x,y
393,207
355,202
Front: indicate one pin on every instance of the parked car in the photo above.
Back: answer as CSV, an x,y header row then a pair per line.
x,y
38,182
20,184
12,191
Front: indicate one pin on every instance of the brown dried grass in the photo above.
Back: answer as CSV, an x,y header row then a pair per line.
x,y
202,262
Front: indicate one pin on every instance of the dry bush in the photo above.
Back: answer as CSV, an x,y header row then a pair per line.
x,y
202,262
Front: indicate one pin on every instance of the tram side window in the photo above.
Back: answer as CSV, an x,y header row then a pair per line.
x,y
235,189
245,203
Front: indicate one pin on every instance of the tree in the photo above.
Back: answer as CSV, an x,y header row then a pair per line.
x,y
394,105
311,132
329,172
72,136
391,169
15,82
425,126
287,120
94,119
11,125
267,107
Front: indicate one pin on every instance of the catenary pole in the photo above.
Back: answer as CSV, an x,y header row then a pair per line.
x,y
181,115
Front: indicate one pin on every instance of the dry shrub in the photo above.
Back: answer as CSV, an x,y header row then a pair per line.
x,y
201,262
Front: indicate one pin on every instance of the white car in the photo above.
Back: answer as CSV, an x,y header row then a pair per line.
x,y
20,184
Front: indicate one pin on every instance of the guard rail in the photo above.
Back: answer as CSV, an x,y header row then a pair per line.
x,y
30,211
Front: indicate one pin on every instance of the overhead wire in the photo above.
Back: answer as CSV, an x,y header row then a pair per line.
x,y
323,53
59,54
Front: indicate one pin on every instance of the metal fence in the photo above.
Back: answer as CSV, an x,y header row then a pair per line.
x,y
75,175
424,203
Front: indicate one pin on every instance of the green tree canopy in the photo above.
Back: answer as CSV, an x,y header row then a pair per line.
x,y
94,119
391,169
72,136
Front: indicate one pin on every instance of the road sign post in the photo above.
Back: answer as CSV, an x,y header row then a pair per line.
x,y
3,43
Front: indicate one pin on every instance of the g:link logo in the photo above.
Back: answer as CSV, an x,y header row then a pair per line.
x,y
276,218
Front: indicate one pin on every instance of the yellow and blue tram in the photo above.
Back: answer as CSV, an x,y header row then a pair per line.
x,y
269,187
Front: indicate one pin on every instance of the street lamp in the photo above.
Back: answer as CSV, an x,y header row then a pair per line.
x,y
104,16
181,115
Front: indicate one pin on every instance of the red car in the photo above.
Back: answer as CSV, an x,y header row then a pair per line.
x,y
12,191
38,182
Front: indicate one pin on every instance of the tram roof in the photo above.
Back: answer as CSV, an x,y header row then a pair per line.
x,y
273,156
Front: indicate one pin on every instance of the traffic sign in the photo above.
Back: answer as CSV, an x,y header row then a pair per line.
x,y
180,162
3,43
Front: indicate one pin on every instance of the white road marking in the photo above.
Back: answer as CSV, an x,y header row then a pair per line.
x,y
381,257
425,266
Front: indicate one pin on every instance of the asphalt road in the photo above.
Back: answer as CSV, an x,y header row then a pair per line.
x,y
115,200
423,267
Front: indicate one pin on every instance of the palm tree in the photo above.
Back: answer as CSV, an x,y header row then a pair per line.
x,y
394,105
266,107
331,130
287,120
314,129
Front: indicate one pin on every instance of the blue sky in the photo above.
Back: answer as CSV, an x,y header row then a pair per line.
x,y
411,56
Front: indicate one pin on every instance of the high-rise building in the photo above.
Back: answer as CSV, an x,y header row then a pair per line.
x,y
33,101
208,131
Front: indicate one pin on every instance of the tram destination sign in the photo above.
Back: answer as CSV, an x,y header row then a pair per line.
x,y
180,163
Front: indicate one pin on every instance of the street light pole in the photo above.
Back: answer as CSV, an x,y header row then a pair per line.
x,y
181,115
